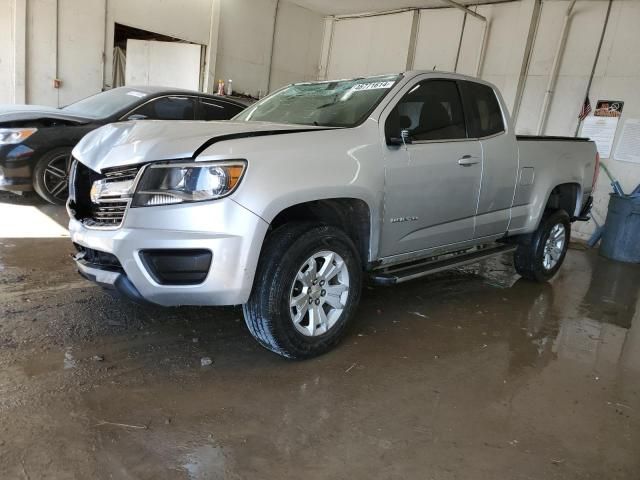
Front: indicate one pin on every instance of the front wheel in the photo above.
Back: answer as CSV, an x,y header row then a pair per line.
x,y
306,289
51,176
540,254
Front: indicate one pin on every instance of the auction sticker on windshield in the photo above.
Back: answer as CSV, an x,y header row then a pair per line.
x,y
371,86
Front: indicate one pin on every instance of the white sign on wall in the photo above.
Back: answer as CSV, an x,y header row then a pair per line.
x,y
601,130
601,127
628,148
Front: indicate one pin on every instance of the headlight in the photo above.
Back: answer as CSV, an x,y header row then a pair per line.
x,y
11,136
169,183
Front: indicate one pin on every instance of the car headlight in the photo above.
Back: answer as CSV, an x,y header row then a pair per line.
x,y
169,183
11,136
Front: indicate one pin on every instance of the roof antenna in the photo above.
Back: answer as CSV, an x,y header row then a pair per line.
x,y
434,68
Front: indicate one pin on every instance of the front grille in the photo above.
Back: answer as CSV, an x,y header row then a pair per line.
x,y
120,174
106,213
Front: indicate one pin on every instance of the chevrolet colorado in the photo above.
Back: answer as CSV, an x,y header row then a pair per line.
x,y
318,187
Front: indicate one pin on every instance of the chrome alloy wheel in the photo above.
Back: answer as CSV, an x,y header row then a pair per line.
x,y
56,177
319,293
554,246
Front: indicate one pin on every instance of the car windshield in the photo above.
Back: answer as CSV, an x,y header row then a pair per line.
x,y
106,103
341,103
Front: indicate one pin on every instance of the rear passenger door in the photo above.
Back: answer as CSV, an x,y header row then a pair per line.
x,y
432,184
210,109
487,122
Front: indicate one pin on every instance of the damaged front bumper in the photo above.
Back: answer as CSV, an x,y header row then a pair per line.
x,y
109,279
189,254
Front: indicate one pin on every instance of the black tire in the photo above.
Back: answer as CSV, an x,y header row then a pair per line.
x,y
268,314
530,254
50,176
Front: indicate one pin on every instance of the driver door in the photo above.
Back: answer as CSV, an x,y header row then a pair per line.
x,y
432,183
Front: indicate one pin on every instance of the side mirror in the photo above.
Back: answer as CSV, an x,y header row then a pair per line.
x,y
403,136
402,139
137,116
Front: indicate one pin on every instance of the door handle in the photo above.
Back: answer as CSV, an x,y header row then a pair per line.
x,y
468,160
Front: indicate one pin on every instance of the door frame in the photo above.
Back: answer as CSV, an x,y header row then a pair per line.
x,y
382,118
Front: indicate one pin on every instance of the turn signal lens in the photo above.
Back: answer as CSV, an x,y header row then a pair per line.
x,y
11,136
165,184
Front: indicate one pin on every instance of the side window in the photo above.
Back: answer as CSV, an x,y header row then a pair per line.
x,y
484,116
168,108
212,110
432,110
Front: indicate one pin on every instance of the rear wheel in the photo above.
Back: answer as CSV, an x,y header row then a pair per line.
x,y
51,176
306,289
540,254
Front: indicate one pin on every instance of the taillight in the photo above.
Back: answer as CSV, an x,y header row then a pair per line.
x,y
596,172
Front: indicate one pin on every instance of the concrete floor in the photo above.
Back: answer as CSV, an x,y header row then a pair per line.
x,y
471,374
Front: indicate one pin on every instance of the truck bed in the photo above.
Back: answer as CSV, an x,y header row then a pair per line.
x,y
551,138
544,163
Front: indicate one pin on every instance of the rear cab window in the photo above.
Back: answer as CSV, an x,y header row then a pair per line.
x,y
482,110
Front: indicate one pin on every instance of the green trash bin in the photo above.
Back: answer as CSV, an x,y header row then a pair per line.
x,y
621,237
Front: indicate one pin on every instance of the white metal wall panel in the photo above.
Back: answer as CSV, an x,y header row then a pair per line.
x,y
370,45
168,64
438,39
81,43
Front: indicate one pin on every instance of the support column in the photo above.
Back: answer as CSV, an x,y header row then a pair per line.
x,y
413,39
325,52
526,59
19,50
209,84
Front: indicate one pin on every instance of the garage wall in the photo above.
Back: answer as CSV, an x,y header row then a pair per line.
x,y
190,21
505,45
296,50
81,32
41,52
505,60
369,45
77,45
6,52
617,77
438,39
244,44
246,39
575,68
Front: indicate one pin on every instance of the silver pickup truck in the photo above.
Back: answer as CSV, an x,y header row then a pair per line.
x,y
288,208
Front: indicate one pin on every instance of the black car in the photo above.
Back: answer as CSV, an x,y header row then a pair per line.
x,y
36,142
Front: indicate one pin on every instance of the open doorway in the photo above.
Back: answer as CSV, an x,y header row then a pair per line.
x,y
142,57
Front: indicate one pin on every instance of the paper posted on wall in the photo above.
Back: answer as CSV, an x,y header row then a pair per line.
x,y
628,148
601,127
601,130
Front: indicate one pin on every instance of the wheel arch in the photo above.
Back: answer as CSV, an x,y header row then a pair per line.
x,y
557,196
565,196
352,215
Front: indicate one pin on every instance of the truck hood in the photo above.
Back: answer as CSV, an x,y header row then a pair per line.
x,y
130,143
21,113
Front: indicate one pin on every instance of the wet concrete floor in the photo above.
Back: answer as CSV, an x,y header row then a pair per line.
x,y
470,374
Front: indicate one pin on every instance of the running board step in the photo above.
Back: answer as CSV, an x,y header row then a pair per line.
x,y
404,273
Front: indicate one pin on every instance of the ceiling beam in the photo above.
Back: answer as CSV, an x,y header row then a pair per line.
x,y
464,9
